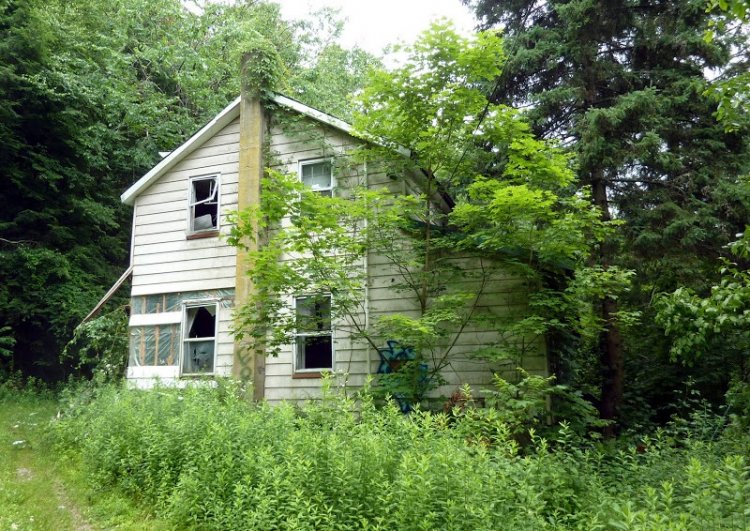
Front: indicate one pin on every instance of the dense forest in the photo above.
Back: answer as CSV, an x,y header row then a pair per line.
x,y
625,86
598,149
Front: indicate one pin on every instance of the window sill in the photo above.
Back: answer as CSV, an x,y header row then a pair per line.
x,y
307,375
201,235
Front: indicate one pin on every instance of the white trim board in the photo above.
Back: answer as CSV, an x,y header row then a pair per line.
x,y
116,286
155,319
153,371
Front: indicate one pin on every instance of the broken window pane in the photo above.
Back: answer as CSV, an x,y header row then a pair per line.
x,y
200,341
204,204
198,357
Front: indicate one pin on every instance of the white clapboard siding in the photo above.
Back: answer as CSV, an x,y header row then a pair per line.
x,y
158,208
197,253
206,165
201,245
502,294
225,343
307,140
192,280
164,259
285,144
194,264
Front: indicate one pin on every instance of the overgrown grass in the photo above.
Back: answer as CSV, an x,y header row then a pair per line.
x,y
206,459
41,490
26,487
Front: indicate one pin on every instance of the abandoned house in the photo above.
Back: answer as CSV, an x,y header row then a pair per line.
x,y
186,279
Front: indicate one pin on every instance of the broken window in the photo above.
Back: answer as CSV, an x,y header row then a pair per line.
x,y
313,338
199,341
204,204
318,176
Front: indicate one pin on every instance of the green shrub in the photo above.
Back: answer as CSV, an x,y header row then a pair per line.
x,y
99,347
17,387
207,459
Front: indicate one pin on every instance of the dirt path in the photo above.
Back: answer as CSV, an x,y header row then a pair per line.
x,y
65,503
43,491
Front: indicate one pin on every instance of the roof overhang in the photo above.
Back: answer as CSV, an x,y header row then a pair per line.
x,y
116,286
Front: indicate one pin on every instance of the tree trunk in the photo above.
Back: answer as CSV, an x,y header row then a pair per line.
x,y
611,352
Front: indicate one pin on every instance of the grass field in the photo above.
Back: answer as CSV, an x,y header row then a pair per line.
x,y
43,491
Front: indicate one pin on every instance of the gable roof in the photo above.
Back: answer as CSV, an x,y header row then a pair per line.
x,y
221,120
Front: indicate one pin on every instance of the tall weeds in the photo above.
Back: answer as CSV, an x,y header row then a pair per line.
x,y
206,459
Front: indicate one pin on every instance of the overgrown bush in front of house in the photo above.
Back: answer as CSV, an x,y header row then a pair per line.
x,y
207,459
98,349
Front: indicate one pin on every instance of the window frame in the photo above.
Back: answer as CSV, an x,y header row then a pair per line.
x,y
296,361
311,162
186,306
213,231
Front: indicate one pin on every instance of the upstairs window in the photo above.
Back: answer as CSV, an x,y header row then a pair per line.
x,y
313,338
204,204
199,339
317,175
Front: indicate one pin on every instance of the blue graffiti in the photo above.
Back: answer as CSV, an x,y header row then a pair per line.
x,y
394,356
392,359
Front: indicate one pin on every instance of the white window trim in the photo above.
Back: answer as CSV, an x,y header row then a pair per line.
x,y
186,305
155,319
206,176
295,350
309,162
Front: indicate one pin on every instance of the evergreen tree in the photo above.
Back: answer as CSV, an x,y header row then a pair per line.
x,y
622,83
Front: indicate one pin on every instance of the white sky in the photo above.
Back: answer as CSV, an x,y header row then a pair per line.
x,y
374,24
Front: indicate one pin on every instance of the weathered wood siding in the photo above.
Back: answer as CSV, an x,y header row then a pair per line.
x,y
291,141
166,263
502,295
301,140
164,260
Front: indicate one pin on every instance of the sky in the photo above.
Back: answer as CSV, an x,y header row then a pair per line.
x,y
372,25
